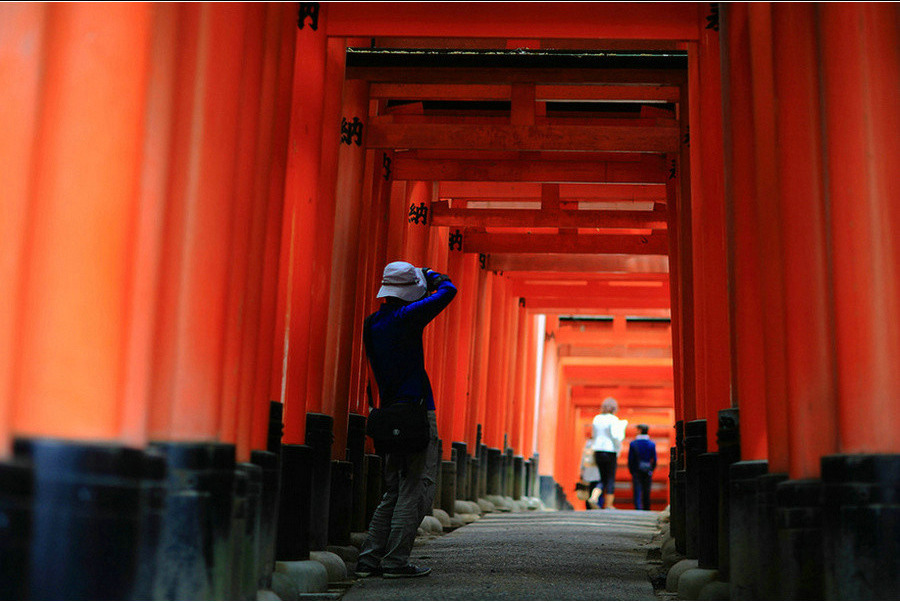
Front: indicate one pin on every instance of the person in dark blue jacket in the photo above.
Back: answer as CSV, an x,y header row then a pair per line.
x,y
641,464
397,358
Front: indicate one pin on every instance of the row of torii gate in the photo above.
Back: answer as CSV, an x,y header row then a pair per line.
x,y
688,206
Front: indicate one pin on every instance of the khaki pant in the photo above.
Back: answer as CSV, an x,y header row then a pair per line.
x,y
409,481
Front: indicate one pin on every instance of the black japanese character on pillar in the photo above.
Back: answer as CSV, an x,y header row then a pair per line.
x,y
521,301
351,131
482,260
417,213
456,239
673,170
311,10
712,19
687,137
386,163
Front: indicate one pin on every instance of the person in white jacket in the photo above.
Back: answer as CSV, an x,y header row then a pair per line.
x,y
607,435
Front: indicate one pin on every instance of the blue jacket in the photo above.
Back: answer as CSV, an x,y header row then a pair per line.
x,y
641,455
395,347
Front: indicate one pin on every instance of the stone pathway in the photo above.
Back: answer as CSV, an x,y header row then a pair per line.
x,y
595,555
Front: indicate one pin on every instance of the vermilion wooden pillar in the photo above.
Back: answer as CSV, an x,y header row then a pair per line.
x,y
518,370
290,349
714,375
748,356
371,239
73,216
549,400
530,375
770,247
149,231
318,295
809,343
467,284
676,284
200,244
374,251
345,268
479,360
251,114
436,337
564,470
19,122
860,70
453,338
495,401
258,388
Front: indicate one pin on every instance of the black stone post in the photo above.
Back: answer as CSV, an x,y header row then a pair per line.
x,y
154,492
482,471
86,521
270,464
729,443
197,557
742,529
767,535
799,523
508,473
292,540
861,526
340,511
529,471
448,485
708,535
694,445
473,472
518,478
319,437
494,470
16,493
462,464
276,427
678,517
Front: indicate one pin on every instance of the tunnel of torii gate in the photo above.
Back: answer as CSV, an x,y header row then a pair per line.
x,y
689,207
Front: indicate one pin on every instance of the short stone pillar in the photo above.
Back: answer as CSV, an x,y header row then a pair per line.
x,y
744,576
861,526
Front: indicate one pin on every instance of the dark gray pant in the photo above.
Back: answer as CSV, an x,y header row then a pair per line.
x,y
409,482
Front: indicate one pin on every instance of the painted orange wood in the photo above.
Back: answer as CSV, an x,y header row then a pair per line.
x,y
809,343
639,138
482,242
651,171
615,20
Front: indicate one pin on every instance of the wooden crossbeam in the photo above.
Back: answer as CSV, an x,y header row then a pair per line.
x,y
583,373
635,138
443,215
574,263
468,75
588,305
530,191
651,171
538,20
658,289
543,93
475,241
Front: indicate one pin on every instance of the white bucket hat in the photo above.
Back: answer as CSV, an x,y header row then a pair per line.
x,y
402,280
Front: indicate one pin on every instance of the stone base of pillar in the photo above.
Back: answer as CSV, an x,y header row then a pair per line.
x,y
861,526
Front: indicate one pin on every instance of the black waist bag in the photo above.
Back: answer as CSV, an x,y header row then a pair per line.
x,y
401,427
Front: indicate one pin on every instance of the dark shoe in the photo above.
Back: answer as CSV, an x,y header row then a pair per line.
x,y
410,570
363,572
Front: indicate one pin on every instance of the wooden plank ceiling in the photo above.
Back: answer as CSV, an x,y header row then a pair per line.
x,y
544,161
